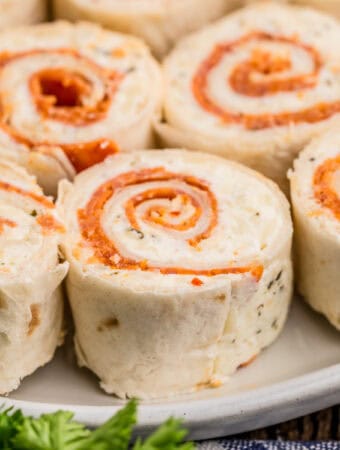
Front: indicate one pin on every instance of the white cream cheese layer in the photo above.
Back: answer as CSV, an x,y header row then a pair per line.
x,y
178,260
71,95
255,86
31,303
315,193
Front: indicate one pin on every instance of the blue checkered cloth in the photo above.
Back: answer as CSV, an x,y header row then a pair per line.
x,y
267,445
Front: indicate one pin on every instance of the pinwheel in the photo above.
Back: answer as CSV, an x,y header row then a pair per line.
x,y
316,200
18,12
71,95
159,22
255,87
180,269
31,303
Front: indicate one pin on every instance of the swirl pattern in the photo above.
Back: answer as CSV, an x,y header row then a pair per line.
x,y
315,193
33,202
73,96
196,208
171,253
124,220
30,277
256,77
254,87
66,96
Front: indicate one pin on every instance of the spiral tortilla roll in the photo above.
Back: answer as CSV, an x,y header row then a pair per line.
x,y
255,87
31,304
159,22
71,95
180,269
315,192
18,12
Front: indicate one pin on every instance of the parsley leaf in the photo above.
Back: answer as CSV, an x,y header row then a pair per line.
x,y
59,431
115,434
50,432
168,436
8,426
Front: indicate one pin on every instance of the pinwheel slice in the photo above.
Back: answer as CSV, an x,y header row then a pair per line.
x,y
31,303
159,22
19,12
71,95
315,192
180,269
255,87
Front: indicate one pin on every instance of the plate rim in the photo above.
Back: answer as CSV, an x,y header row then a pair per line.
x,y
221,414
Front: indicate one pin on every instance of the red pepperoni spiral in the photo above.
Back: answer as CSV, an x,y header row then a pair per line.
x,y
11,188
47,221
58,94
254,78
106,251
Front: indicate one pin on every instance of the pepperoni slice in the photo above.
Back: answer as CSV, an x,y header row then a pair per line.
x,y
250,78
107,252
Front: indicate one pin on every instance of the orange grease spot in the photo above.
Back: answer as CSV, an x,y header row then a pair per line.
x,y
35,319
118,53
210,384
196,282
247,363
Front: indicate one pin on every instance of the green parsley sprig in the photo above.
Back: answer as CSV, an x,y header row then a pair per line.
x,y
58,431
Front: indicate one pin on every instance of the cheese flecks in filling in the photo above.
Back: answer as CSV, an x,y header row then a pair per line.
x,y
181,259
57,95
254,87
25,216
67,95
150,218
106,251
30,277
263,73
47,221
315,191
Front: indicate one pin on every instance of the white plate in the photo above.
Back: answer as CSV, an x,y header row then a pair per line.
x,y
299,374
